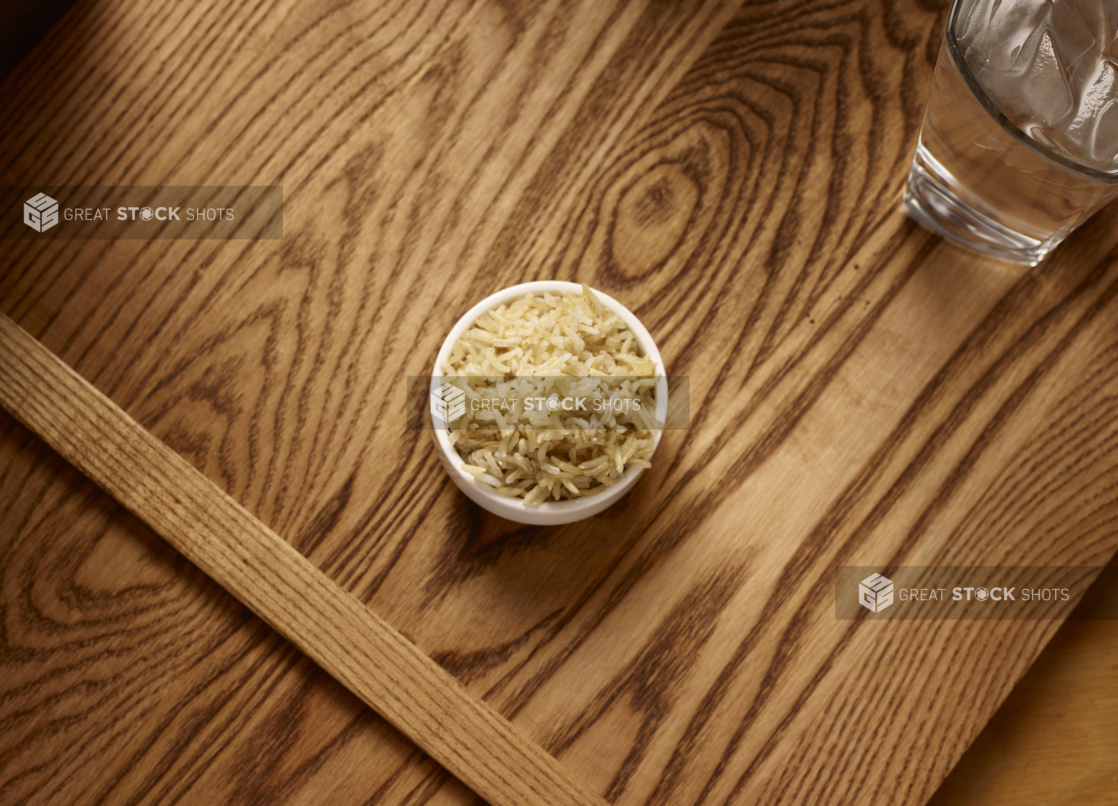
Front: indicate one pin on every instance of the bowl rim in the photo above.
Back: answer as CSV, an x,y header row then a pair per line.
x,y
548,511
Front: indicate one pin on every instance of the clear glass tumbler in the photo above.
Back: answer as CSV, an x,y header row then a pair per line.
x,y
1020,137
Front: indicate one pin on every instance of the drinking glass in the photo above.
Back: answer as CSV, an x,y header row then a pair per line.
x,y
1019,143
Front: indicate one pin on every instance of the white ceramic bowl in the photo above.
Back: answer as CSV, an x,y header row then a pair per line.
x,y
553,512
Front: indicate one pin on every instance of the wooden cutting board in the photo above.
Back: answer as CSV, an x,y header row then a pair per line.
x,y
861,394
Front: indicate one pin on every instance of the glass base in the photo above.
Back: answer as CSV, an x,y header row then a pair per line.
x,y
930,201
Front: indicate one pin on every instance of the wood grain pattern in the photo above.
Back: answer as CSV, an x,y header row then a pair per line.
x,y
277,583
1054,741
862,394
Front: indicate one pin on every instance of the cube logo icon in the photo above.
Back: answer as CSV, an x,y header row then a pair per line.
x,y
448,402
875,593
40,212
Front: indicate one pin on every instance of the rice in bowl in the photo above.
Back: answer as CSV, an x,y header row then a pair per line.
x,y
524,366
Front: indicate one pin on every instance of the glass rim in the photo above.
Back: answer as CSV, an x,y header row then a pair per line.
x,y
955,54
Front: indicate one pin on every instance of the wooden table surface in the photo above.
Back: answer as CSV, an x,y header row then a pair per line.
x,y
861,394
1054,741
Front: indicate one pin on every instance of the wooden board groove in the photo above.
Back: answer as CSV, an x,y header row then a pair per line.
x,y
242,555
